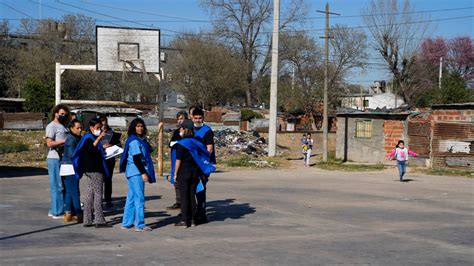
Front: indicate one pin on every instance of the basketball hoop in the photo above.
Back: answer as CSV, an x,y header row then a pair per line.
x,y
134,65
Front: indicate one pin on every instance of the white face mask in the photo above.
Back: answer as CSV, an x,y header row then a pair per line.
x,y
197,125
181,134
96,132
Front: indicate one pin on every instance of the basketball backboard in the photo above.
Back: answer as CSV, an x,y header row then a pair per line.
x,y
134,47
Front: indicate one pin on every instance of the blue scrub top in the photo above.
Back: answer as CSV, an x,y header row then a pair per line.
x,y
134,148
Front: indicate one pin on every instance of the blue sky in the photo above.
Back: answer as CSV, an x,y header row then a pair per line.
x,y
173,15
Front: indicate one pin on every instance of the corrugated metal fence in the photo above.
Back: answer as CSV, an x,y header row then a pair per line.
x,y
453,145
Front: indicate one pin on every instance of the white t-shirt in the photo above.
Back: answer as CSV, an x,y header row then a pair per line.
x,y
402,154
55,131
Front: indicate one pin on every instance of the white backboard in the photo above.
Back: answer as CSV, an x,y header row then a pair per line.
x,y
114,45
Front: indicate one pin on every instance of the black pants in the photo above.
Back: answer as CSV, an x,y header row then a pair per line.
x,y
201,200
187,181
178,193
108,180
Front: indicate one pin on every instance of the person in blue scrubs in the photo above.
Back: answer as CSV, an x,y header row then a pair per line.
x,y
137,164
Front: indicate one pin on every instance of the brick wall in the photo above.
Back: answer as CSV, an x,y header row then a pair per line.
x,y
393,132
452,115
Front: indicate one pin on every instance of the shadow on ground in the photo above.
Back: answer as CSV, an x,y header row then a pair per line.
x,y
37,231
19,171
218,210
299,158
119,204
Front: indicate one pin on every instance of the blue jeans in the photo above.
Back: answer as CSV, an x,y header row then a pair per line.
x,y
72,200
402,168
134,212
56,188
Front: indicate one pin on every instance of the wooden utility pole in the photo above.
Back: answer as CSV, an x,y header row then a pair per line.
x,y
272,127
326,80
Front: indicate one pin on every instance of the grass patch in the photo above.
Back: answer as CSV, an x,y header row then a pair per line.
x,y
338,165
247,161
9,147
445,172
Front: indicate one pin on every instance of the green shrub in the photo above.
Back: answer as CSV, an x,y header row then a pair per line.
x,y
247,115
8,147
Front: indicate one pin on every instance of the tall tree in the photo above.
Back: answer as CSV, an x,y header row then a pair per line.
x,y
246,24
207,72
397,33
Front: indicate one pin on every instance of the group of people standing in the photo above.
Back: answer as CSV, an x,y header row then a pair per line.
x,y
72,156
192,161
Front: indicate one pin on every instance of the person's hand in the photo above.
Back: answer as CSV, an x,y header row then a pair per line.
x,y
102,134
176,177
145,177
105,146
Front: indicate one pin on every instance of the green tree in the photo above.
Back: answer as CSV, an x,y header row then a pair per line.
x,y
454,90
39,96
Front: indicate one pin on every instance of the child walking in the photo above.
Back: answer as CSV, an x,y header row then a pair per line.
x,y
400,153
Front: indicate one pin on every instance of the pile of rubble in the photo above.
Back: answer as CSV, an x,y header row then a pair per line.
x,y
230,142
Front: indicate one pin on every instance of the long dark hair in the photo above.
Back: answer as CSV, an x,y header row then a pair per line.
x,y
93,122
399,142
133,124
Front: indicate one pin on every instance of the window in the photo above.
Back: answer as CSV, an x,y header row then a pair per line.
x,y
366,103
363,129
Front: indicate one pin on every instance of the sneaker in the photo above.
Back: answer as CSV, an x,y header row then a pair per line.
x,y
181,224
123,227
87,225
143,229
57,216
175,206
50,214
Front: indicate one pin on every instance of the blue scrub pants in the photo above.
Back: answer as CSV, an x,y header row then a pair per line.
x,y
134,212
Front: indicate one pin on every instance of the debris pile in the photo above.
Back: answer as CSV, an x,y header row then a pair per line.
x,y
230,142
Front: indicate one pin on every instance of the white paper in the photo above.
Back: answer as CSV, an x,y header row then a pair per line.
x,y
66,169
113,151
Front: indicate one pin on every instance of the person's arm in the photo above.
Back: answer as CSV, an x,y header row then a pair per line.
x,y
412,153
390,155
51,141
54,143
137,160
176,169
209,140
97,140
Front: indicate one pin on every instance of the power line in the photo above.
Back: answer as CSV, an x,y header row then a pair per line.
x,y
19,11
124,20
183,19
191,20
68,12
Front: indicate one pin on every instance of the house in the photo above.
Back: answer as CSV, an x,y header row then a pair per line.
x,y
368,136
443,135
378,96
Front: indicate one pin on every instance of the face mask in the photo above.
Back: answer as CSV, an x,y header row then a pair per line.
x,y
197,125
62,118
181,134
96,132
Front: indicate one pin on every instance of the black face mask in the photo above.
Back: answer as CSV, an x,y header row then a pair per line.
x,y
62,119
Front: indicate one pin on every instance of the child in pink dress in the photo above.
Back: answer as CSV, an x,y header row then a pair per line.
x,y
400,153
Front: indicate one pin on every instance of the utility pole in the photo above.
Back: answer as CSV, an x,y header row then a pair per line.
x,y
272,127
326,80
440,71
